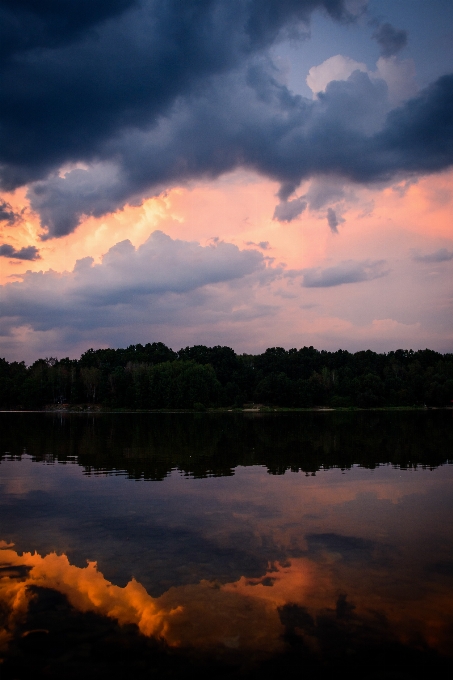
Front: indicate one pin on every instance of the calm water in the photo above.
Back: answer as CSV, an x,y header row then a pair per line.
x,y
232,545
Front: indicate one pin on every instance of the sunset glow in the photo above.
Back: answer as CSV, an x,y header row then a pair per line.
x,y
319,140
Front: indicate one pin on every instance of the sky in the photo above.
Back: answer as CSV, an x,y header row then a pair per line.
x,y
250,173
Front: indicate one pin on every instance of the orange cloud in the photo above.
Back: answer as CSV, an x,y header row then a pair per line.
x,y
241,615
86,589
405,308
239,208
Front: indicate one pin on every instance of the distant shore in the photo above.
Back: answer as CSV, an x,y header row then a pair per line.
x,y
98,409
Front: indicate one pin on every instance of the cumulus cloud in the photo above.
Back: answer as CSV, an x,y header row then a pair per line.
x,y
62,201
391,40
441,255
180,91
400,78
25,253
286,211
334,68
7,213
164,279
349,271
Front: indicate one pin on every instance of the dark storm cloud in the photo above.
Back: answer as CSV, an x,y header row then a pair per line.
x,y
286,211
102,67
273,132
345,272
7,213
154,93
26,253
29,24
441,255
391,40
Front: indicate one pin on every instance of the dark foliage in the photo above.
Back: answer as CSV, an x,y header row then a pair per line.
x,y
153,376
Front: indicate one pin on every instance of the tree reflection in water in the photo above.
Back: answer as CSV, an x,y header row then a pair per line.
x,y
351,574
151,445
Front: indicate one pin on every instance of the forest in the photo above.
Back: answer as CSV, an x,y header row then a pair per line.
x,y
153,376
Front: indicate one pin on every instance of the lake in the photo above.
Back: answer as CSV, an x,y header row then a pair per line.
x,y
227,545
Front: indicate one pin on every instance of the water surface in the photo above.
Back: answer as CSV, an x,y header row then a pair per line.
x,y
238,545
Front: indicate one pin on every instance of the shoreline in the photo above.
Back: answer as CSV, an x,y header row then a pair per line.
x,y
96,409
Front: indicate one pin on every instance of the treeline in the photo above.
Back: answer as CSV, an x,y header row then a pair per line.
x,y
153,376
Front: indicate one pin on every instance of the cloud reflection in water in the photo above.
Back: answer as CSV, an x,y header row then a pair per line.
x,y
302,598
